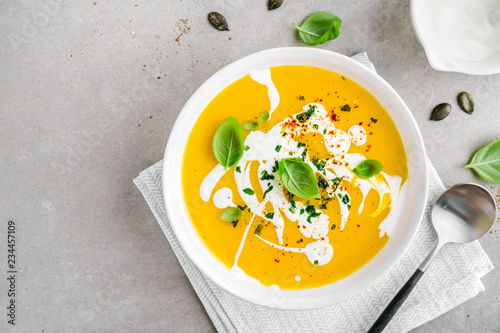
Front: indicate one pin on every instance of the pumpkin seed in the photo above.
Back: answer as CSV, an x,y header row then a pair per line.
x,y
465,102
274,4
218,21
441,111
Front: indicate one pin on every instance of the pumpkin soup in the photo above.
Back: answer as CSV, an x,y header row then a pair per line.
x,y
294,176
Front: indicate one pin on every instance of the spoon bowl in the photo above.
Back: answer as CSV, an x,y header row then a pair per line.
x,y
463,213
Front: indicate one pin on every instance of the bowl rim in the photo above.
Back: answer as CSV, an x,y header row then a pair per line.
x,y
270,297
441,63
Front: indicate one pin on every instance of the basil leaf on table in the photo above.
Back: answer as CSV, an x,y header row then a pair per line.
x,y
227,144
318,28
368,168
232,214
486,162
298,178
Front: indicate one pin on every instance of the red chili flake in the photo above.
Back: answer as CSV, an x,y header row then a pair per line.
x,y
303,227
177,39
277,260
71,56
368,147
346,164
230,38
371,133
359,225
328,94
321,100
361,123
356,106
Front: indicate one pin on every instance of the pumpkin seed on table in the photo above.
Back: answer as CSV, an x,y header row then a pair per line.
x,y
274,4
441,111
465,102
218,21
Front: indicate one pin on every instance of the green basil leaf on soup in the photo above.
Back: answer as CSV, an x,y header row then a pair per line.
x,y
264,117
231,214
250,125
368,168
227,143
298,178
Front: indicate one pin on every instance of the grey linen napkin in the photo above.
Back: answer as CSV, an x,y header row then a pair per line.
x,y
453,278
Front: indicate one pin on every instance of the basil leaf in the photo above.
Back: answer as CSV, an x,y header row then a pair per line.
x,y
227,144
298,178
318,28
250,125
231,214
486,162
248,191
264,117
368,168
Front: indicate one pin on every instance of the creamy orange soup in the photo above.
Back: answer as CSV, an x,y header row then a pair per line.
x,y
296,246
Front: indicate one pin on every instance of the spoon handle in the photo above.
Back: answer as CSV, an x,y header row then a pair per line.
x,y
398,300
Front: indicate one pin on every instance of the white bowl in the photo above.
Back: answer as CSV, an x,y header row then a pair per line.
x,y
438,59
253,291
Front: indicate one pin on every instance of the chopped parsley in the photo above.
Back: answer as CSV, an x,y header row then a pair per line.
x,y
301,98
316,214
346,199
348,207
333,226
300,241
336,184
304,153
258,230
324,131
319,164
374,120
300,145
238,169
266,176
270,215
304,116
302,210
323,183
276,166
322,206
315,126
246,148
284,134
278,148
292,203
316,262
269,189
248,191
345,108
234,223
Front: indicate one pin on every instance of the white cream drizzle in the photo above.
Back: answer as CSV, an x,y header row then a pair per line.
x,y
262,150
263,76
223,198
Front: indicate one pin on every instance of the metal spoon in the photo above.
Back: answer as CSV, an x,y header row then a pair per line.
x,y
462,214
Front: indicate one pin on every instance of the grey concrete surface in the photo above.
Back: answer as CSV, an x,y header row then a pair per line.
x,y
88,94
